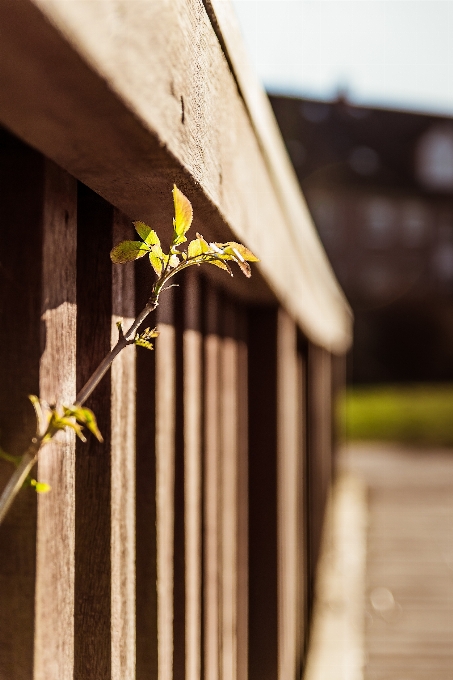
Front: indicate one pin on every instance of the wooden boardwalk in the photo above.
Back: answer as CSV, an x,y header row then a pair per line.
x,y
409,573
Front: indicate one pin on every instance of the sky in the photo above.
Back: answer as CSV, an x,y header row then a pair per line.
x,y
387,53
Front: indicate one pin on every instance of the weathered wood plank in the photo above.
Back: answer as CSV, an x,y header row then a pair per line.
x,y
165,474
193,405
173,95
146,542
93,592
211,519
21,200
123,468
54,654
288,492
228,494
319,454
409,609
242,624
263,503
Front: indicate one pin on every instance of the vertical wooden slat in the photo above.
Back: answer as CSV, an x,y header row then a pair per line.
x,y
288,498
92,602
21,178
242,501
319,456
228,496
262,410
146,544
165,469
54,653
192,479
123,469
302,509
211,489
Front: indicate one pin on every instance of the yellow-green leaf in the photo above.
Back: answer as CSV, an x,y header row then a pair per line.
x,y
127,251
221,265
241,250
204,244
40,487
85,416
194,248
156,263
146,233
183,216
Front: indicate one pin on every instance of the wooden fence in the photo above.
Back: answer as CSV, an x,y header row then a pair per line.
x,y
185,545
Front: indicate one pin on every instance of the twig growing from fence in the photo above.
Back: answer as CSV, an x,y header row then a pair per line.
x,y
50,418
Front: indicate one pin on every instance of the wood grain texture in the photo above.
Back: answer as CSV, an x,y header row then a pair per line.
x,y
262,493
409,553
54,654
211,519
123,468
193,407
123,65
93,591
242,498
21,202
319,453
146,542
165,477
288,476
228,495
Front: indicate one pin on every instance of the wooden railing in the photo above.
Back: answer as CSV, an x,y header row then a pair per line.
x,y
185,545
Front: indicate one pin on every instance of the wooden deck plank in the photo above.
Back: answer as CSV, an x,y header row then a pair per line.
x,y
410,540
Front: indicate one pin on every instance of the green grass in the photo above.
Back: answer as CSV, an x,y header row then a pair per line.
x,y
418,414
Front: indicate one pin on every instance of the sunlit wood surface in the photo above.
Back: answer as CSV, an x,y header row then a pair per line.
x,y
409,588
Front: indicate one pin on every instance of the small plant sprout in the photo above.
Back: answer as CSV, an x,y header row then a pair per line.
x,y
50,419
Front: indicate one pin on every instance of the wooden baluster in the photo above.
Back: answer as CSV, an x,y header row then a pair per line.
x,y
211,489
54,653
123,467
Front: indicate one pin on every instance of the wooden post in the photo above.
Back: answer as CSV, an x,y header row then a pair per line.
x,y
123,468
21,201
54,653
211,489
242,624
165,471
93,557
228,494
263,505
319,457
192,348
288,497
146,541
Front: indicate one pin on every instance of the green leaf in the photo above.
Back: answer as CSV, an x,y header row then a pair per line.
x,y
221,265
86,417
194,248
143,340
183,216
156,263
204,244
239,251
146,233
40,487
127,251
